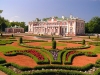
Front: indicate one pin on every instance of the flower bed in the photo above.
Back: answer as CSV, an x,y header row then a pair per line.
x,y
55,58
69,55
36,55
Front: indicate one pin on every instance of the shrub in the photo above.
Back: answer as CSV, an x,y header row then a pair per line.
x,y
53,44
1,34
20,40
98,61
97,36
12,35
52,38
7,71
83,42
89,37
2,60
90,54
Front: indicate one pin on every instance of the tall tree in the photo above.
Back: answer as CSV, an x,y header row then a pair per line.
x,y
94,25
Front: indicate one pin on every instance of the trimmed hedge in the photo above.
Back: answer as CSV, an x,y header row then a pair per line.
x,y
75,48
4,42
22,68
27,41
94,43
7,71
2,60
65,67
55,72
29,46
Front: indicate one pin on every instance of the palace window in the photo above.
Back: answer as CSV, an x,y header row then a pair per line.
x,y
56,30
65,30
71,23
71,30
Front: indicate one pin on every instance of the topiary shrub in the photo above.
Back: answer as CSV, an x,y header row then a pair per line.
x,y
21,40
1,34
89,37
83,42
52,38
97,36
53,44
12,35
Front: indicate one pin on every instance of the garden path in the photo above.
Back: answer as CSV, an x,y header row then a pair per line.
x,y
2,73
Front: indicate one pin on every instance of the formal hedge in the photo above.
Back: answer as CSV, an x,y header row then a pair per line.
x,y
2,60
29,46
55,72
75,48
4,42
22,68
27,41
94,43
7,71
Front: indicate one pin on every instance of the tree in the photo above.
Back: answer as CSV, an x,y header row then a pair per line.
x,y
1,11
94,25
0,20
86,28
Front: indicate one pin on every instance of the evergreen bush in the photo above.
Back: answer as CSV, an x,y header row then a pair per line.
x,y
12,35
53,44
21,40
1,34
89,37
83,42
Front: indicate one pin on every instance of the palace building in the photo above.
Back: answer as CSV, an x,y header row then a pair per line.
x,y
15,29
65,26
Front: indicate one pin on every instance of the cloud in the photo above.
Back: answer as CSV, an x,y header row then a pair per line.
x,y
14,18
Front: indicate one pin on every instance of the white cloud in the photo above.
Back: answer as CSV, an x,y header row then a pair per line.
x,y
14,18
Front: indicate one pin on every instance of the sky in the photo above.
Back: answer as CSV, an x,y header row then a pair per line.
x,y
28,10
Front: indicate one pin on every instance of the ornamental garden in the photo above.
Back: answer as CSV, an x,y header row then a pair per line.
x,y
49,55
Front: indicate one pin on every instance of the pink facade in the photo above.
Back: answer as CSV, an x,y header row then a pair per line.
x,y
15,29
58,26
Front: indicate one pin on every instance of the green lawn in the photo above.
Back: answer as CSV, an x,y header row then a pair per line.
x,y
9,48
50,44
